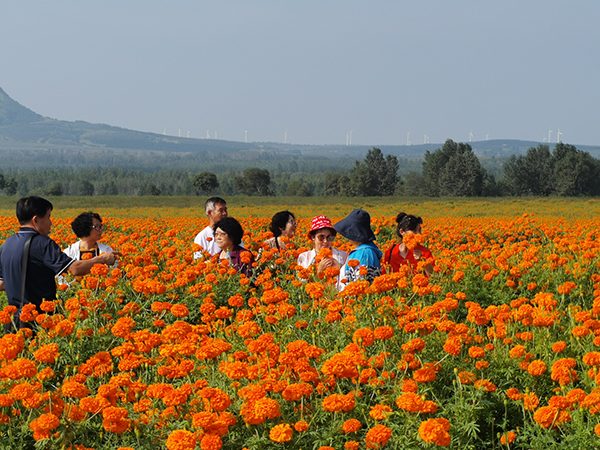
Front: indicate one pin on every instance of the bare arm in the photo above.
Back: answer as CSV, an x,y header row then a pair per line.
x,y
2,285
83,267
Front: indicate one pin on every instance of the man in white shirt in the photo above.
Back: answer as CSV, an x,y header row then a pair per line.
x,y
216,209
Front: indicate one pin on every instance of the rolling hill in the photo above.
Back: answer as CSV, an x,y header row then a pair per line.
x,y
29,140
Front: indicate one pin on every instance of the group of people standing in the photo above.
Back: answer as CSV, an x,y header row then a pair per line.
x,y
224,235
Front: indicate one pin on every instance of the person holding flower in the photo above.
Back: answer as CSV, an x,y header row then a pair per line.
x,y
228,236
283,227
88,228
364,261
409,252
323,254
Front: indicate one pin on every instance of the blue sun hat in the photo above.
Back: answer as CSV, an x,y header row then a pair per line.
x,y
356,227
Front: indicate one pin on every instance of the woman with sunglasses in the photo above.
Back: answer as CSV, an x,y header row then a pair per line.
x,y
88,228
322,234
400,255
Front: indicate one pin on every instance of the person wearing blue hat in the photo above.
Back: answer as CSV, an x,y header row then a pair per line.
x,y
357,229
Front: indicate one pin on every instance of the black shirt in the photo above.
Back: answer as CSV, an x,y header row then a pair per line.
x,y
46,260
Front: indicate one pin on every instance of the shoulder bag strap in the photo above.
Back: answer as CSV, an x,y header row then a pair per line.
x,y
24,260
390,255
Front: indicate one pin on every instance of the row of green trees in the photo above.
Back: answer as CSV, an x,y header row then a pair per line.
x,y
452,170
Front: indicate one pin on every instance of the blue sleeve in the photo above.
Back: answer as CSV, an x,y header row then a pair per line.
x,y
54,258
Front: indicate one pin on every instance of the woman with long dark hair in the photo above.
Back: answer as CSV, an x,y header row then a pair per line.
x,y
408,252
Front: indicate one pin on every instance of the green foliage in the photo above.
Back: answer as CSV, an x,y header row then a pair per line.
x,y
375,176
298,189
564,172
254,181
333,183
205,182
454,171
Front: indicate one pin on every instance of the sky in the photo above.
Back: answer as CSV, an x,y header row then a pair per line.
x,y
377,72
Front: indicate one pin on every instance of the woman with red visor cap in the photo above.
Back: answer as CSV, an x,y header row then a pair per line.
x,y
322,234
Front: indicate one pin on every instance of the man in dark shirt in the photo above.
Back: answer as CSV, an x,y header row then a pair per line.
x,y
46,260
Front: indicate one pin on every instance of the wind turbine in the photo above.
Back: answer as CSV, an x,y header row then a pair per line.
x,y
549,135
558,133
165,131
246,136
408,138
471,136
188,134
207,135
350,141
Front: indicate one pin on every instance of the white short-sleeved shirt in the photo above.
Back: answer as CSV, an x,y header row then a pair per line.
x,y
206,240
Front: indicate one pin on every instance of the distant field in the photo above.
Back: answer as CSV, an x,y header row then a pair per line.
x,y
121,206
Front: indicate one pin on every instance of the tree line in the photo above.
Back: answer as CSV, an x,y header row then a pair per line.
x,y
453,170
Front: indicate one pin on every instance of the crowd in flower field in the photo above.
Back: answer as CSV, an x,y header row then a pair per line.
x,y
497,347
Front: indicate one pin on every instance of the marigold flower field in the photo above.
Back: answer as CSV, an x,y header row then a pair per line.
x,y
499,348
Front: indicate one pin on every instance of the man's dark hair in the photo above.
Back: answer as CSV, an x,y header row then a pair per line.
x,y
280,221
28,207
233,229
209,205
82,225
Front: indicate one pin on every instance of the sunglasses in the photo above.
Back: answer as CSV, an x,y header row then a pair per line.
x,y
323,237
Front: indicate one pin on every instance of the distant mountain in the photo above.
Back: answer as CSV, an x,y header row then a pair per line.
x,y
29,140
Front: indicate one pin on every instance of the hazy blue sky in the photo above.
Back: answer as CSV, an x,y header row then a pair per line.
x,y
511,69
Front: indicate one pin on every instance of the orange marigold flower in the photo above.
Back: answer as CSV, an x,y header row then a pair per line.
x,y
281,433
559,346
536,368
562,371
508,438
580,331
211,442
546,416
180,310
122,327
382,333
476,352
413,346
352,445
364,337
378,436
530,401
181,440
380,412
467,377
74,389
514,394
410,401
339,402
47,353
435,431
424,375
517,351
115,419
351,426
453,346
301,426
45,422
353,263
